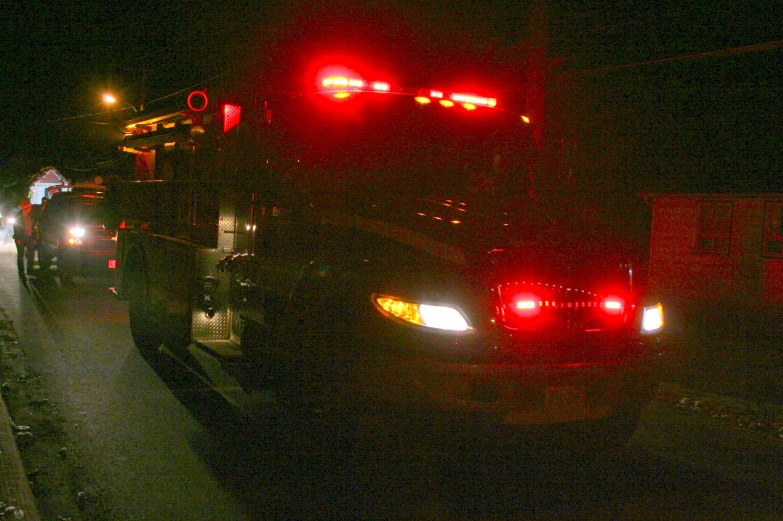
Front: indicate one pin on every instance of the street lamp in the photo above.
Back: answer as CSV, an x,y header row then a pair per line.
x,y
109,100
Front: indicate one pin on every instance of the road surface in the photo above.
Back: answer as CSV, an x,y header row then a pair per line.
x,y
173,451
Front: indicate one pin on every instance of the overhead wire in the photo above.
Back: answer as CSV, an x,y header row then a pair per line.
x,y
722,52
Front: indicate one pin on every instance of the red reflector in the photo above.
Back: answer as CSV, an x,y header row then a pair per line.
x,y
230,116
112,264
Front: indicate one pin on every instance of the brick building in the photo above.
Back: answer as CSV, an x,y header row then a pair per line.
x,y
717,251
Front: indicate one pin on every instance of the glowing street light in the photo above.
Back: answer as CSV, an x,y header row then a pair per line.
x,y
110,100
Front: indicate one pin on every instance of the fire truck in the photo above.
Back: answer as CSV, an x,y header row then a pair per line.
x,y
365,251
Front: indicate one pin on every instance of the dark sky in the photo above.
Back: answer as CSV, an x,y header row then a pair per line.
x,y
659,95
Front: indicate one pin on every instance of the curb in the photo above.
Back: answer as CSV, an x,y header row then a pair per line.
x,y
16,496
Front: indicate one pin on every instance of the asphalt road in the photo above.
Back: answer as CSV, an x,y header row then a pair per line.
x,y
168,449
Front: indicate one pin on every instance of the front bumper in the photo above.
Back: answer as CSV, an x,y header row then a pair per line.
x,y
91,261
508,393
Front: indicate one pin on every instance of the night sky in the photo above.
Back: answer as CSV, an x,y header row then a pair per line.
x,y
658,96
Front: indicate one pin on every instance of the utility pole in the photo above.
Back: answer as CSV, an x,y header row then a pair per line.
x,y
143,86
537,56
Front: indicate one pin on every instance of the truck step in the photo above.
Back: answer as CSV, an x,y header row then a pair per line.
x,y
222,348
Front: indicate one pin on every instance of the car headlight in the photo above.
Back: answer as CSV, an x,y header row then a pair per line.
x,y
75,236
427,315
76,232
652,318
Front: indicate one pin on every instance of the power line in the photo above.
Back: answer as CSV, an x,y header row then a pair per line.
x,y
723,52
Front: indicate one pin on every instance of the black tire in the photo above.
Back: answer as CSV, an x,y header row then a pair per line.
x,y
177,331
65,270
144,325
316,357
44,260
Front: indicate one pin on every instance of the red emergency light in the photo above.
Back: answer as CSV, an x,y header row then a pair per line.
x,y
343,86
472,99
467,101
231,115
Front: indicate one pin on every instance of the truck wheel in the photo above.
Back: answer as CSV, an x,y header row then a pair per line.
x,y
316,358
178,334
44,261
145,329
64,270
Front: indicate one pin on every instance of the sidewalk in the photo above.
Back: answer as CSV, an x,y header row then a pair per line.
x,y
15,489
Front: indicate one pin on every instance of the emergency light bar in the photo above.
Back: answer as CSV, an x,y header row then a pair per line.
x,y
467,101
474,100
342,85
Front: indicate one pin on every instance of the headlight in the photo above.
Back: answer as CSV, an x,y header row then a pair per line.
x,y
652,318
76,232
11,220
427,315
75,236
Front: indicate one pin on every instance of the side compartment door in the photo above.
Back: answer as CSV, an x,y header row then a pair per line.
x,y
287,238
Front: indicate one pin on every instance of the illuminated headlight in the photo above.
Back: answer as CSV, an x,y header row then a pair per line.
x,y
426,315
11,220
75,236
76,232
652,318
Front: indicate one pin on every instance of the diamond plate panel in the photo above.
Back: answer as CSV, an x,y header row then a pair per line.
x,y
217,327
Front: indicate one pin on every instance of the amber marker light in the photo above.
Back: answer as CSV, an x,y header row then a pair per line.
x,y
447,103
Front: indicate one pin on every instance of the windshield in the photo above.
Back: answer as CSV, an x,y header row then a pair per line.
x,y
85,210
376,146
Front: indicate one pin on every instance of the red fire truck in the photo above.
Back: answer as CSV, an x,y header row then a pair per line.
x,y
367,251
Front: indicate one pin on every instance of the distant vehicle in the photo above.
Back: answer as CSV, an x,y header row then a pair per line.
x,y
71,230
371,252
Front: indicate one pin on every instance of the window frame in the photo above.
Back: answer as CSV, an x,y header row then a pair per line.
x,y
723,248
768,235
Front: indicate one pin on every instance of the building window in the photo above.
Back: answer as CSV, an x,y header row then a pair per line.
x,y
714,228
773,229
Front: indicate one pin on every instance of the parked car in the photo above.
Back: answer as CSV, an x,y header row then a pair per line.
x,y
71,231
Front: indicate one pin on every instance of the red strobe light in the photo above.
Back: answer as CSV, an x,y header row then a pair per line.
x,y
231,115
613,305
343,86
471,99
